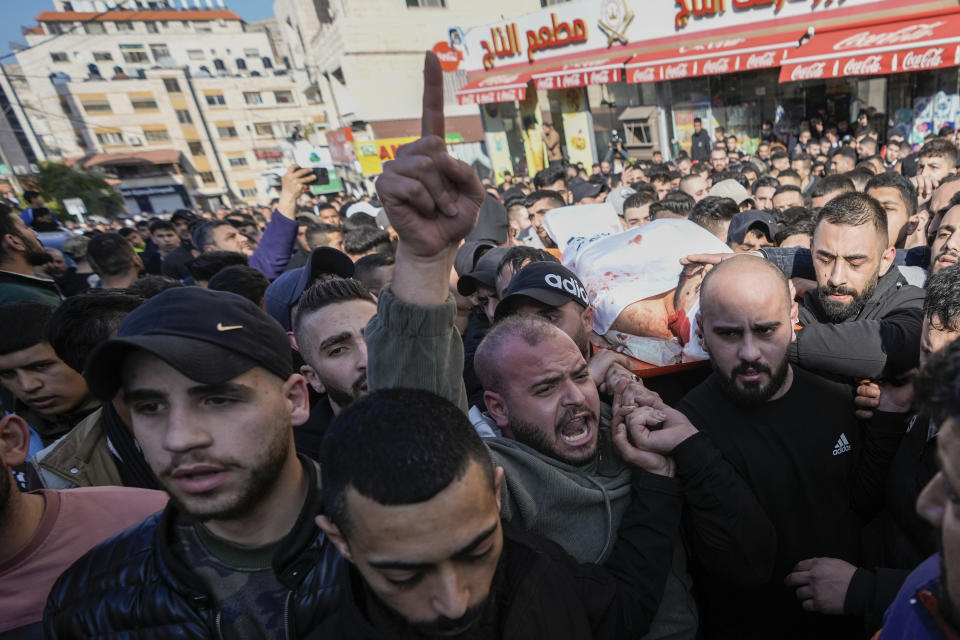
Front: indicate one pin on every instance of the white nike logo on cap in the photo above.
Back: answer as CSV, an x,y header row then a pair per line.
x,y
230,327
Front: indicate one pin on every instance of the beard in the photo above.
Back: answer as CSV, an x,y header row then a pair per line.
x,y
752,394
343,397
536,438
483,617
259,481
838,312
582,341
36,255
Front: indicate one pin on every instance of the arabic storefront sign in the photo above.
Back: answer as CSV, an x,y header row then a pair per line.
x,y
373,153
594,26
505,42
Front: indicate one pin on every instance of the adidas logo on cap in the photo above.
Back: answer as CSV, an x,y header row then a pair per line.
x,y
570,285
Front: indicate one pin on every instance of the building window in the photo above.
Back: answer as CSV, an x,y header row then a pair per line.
x,y
171,85
240,161
96,106
203,27
94,28
109,138
196,54
128,26
207,177
283,97
54,28
183,116
264,129
267,63
227,132
252,97
102,56
414,4
241,64
215,100
218,65
156,135
134,53
59,56
248,193
143,104
159,51
196,148
152,27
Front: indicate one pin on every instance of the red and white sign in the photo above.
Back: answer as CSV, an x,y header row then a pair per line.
x,y
580,74
712,58
928,43
504,87
449,57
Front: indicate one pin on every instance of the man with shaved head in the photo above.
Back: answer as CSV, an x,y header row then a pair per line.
x,y
807,473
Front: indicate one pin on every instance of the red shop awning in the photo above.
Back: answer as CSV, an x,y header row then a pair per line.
x,y
729,54
907,45
580,74
501,87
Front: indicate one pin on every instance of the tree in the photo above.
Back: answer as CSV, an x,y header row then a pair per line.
x,y
57,181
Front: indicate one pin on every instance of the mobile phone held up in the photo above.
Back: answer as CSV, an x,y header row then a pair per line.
x,y
310,158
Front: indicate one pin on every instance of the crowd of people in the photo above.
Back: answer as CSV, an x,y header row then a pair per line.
x,y
391,418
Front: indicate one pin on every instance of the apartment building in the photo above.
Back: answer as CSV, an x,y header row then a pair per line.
x,y
184,105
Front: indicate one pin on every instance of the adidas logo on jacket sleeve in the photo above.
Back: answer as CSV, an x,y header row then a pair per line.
x,y
842,446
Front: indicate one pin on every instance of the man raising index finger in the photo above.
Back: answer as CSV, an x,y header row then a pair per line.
x,y
432,121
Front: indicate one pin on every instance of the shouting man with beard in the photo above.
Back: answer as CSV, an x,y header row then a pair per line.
x,y
20,254
806,474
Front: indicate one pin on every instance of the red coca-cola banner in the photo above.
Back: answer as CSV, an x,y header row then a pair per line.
x,y
504,87
929,43
716,57
580,74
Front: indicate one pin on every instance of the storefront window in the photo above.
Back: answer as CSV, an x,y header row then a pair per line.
x,y
920,104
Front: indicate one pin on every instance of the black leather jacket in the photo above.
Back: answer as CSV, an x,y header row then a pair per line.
x,y
133,586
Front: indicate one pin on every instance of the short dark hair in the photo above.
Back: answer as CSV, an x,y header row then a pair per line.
x,y
798,227
732,174
83,321
321,229
397,447
22,325
158,225
206,265
324,294
833,182
764,181
787,188
939,148
110,254
149,286
788,173
364,239
805,158
518,257
942,301
908,192
30,195
543,194
242,280
363,268
639,199
8,226
854,209
713,211
546,177
658,176
937,390
202,235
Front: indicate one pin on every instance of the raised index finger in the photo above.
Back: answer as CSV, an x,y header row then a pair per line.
x,y
432,121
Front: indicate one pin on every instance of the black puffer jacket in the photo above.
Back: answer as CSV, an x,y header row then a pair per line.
x,y
133,586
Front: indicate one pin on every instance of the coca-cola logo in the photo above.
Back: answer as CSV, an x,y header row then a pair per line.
x,y
762,60
499,80
644,75
600,77
865,66
910,33
571,80
673,71
929,59
808,71
720,65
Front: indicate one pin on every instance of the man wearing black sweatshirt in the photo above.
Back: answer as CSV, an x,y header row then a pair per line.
x,y
773,465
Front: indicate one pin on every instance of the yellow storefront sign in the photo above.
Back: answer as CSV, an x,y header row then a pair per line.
x,y
373,153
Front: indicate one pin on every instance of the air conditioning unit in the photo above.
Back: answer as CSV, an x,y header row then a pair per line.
x,y
135,141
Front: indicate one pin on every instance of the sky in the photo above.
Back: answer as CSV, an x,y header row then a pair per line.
x,y
17,13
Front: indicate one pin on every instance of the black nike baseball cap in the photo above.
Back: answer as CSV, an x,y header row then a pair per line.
x,y
208,336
